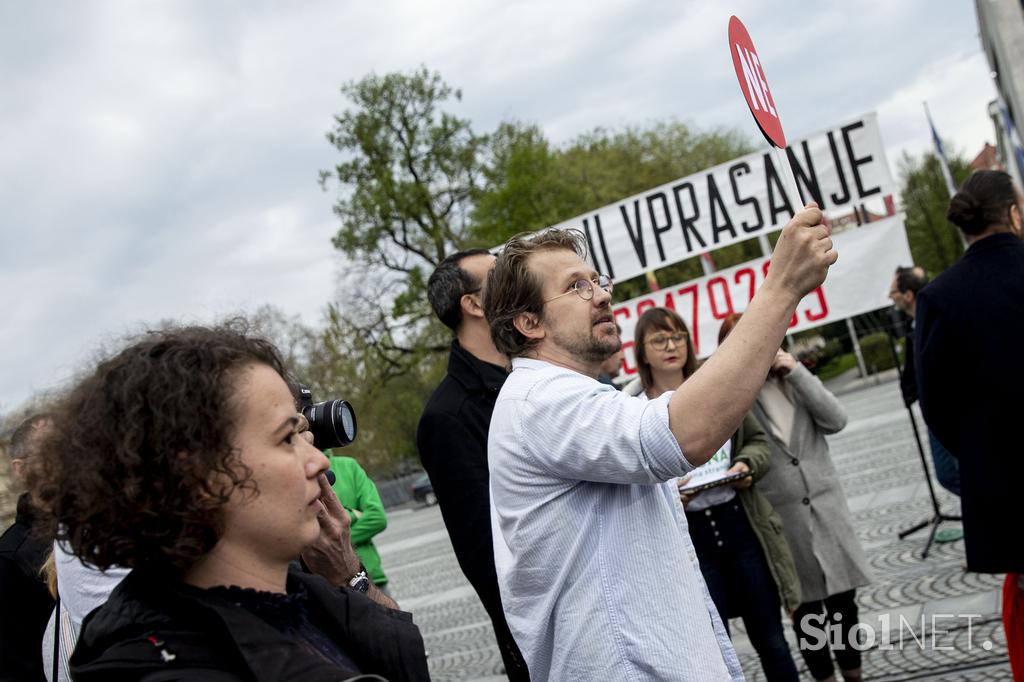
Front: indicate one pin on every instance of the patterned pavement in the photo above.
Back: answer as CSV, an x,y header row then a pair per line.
x,y
930,619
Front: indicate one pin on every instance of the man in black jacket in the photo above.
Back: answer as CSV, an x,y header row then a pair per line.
x,y
26,601
903,291
452,433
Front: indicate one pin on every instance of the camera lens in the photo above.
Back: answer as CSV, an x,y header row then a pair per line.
x,y
332,423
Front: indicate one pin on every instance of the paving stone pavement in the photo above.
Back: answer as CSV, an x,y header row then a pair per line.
x,y
931,620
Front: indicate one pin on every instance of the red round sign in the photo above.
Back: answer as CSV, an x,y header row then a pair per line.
x,y
753,83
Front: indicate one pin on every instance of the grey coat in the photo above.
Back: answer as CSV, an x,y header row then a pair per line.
x,y
803,487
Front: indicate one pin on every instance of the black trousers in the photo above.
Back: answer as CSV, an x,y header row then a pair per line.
x,y
515,665
814,622
741,584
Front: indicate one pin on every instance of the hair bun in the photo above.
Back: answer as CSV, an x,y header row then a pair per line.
x,y
966,212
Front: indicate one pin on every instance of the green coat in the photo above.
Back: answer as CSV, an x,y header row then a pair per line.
x,y
357,492
750,446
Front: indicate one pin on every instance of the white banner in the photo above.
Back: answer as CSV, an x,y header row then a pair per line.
x,y
857,283
841,168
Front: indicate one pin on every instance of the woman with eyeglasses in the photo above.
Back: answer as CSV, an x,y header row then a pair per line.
x,y
797,411
743,555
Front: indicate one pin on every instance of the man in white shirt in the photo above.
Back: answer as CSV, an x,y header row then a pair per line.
x,y
598,577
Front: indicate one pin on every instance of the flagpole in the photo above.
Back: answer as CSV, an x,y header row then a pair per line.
x,y
1013,142
943,164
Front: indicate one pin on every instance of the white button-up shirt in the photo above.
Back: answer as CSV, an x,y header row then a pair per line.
x,y
598,577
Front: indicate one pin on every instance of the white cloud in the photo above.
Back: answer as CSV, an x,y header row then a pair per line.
x,y
957,89
160,159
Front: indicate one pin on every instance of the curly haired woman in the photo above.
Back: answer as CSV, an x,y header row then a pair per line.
x,y
183,458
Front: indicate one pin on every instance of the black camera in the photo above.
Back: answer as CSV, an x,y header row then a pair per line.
x,y
332,422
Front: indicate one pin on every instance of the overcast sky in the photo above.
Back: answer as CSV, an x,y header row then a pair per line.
x,y
159,160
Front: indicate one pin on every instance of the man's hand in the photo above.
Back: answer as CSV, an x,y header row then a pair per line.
x,y
743,483
783,364
710,405
802,255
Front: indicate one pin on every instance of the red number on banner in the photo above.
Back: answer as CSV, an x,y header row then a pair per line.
x,y
623,312
630,370
670,301
792,323
752,284
694,322
715,312
813,317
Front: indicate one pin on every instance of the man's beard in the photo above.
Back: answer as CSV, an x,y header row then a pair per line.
x,y
589,348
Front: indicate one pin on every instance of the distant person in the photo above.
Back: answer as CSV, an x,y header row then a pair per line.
x,y
208,486
26,601
969,333
80,589
903,292
797,412
743,554
452,433
359,496
599,579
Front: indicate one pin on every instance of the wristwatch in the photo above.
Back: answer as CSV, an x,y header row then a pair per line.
x,y
359,582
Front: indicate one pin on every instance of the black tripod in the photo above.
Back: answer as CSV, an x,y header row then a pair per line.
x,y
937,515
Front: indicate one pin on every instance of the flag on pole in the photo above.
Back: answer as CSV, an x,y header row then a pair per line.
x,y
1011,135
943,161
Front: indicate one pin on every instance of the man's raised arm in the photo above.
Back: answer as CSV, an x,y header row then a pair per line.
x,y
708,408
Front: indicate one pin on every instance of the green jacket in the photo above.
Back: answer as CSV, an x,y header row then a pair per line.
x,y
357,492
750,446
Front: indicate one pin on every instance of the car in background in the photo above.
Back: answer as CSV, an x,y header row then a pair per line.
x,y
423,491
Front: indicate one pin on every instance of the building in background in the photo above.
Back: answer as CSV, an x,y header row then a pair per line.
x,y
987,159
1001,29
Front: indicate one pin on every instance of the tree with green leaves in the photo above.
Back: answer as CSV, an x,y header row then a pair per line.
x,y
409,173
934,242
417,183
530,184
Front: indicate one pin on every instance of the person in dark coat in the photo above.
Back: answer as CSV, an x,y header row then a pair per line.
x,y
184,458
452,434
903,291
26,601
969,333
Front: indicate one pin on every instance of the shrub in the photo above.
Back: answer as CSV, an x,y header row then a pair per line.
x,y
876,352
